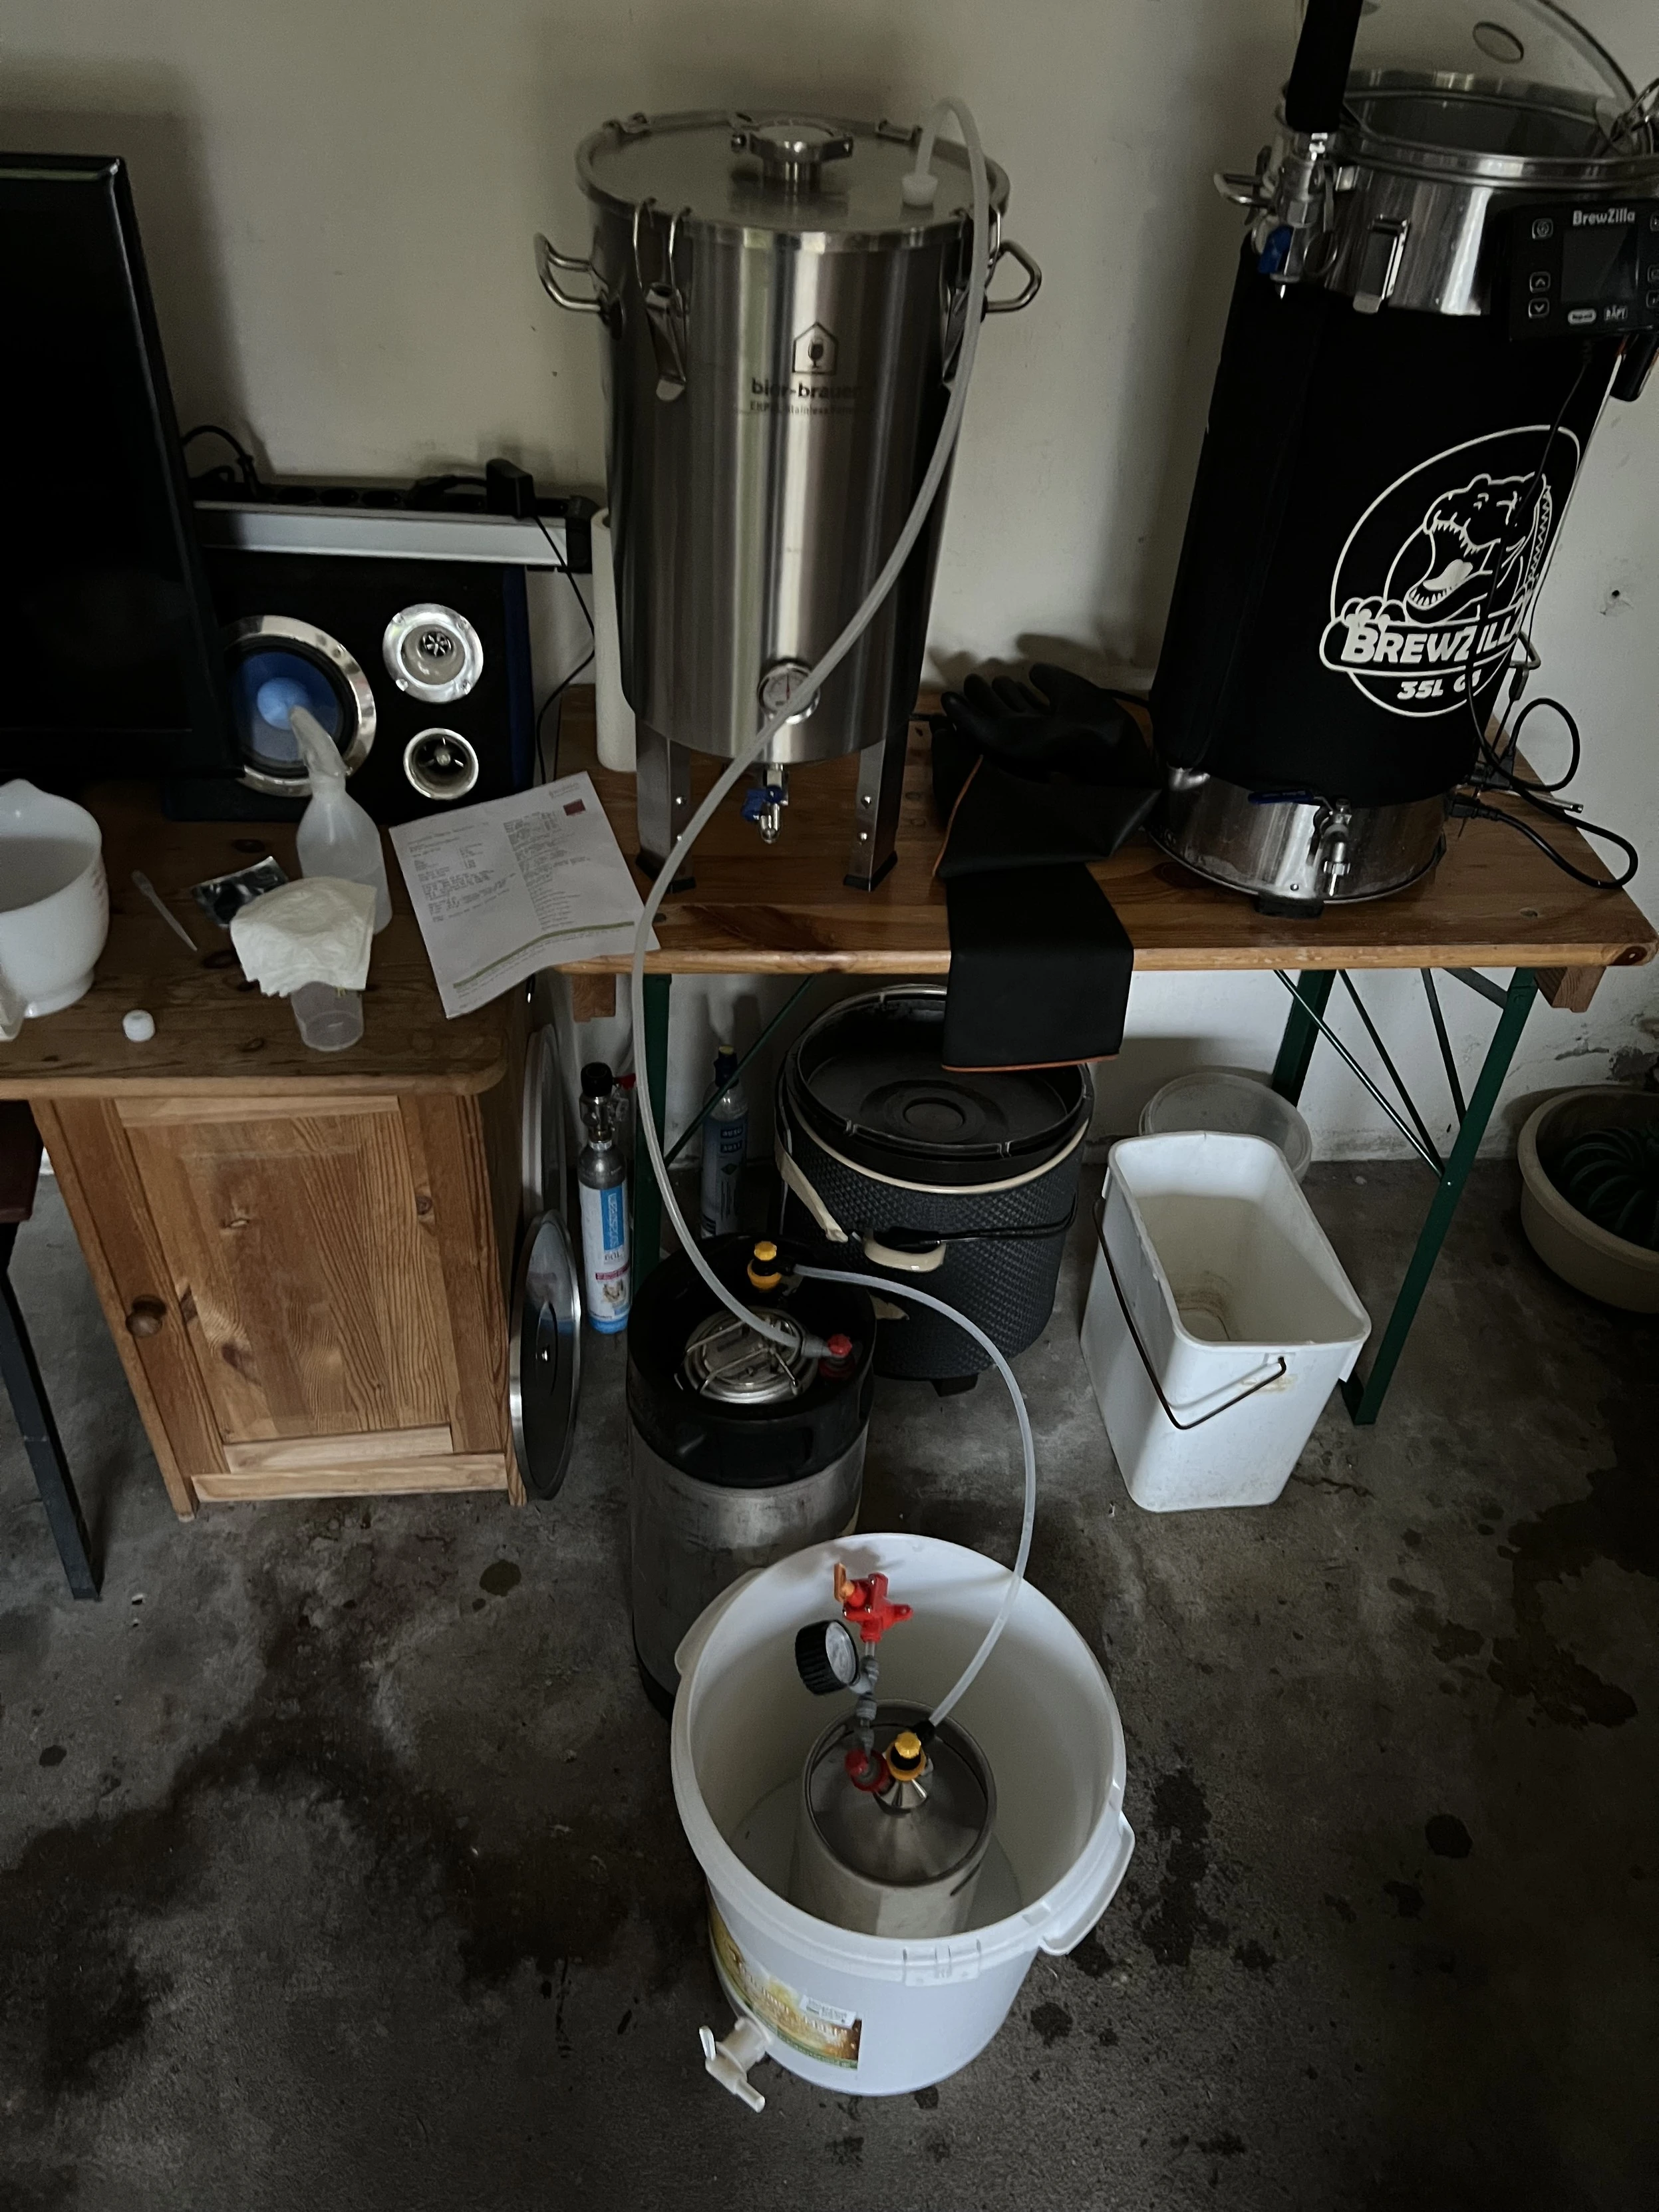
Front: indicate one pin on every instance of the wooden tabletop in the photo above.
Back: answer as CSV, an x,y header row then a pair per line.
x,y
215,1031
1493,902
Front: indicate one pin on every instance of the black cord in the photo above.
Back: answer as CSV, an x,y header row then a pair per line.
x,y
564,569
1506,753
246,467
1470,809
435,487
557,693
1483,745
564,682
1495,771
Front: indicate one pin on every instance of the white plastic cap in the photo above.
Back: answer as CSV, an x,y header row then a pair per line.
x,y
919,189
138,1026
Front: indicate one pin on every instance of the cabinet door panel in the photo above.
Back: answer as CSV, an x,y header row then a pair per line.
x,y
313,1300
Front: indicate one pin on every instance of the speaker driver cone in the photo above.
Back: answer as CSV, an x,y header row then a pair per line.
x,y
276,662
440,764
432,652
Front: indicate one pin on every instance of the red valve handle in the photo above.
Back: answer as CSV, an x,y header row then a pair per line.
x,y
867,1605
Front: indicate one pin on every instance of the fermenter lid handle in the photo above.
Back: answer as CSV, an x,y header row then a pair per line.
x,y
791,149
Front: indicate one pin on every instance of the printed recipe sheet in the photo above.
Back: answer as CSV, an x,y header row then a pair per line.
x,y
516,884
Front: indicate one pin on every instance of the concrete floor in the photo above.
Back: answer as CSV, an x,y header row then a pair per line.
x,y
338,1863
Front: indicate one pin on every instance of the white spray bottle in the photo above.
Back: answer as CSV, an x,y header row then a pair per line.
x,y
336,837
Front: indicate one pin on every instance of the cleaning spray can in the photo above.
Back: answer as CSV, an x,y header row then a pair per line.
x,y
602,1184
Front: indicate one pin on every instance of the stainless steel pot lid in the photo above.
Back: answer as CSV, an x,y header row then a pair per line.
x,y
779,170
1506,91
544,1355
1520,48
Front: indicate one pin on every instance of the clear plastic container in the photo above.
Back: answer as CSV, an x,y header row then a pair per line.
x,y
329,1019
1233,1104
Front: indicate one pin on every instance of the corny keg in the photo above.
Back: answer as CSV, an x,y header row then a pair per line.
x,y
740,1450
1453,259
780,321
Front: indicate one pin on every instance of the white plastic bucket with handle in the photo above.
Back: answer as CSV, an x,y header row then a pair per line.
x,y
868,2015
1218,1319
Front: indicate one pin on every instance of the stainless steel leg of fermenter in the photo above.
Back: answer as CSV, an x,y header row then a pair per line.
x,y
875,809
664,798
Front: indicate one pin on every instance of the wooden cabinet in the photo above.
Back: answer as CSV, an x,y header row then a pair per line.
x,y
304,1257
308,1292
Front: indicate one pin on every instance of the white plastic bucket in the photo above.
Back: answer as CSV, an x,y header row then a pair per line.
x,y
868,2015
1240,1105
1219,1320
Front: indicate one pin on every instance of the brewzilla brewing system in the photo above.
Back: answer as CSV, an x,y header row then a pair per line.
x,y
1452,260
782,299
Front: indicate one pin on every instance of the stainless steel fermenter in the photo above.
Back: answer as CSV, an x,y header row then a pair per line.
x,y
779,326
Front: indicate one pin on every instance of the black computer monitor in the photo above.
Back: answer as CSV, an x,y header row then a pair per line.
x,y
111,662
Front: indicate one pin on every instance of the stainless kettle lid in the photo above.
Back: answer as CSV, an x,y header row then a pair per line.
x,y
794,170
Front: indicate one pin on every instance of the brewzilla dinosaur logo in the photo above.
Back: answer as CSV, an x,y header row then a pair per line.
x,y
1433,586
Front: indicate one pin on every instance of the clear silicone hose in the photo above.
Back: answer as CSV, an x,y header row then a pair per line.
x,y
884,1285
979,271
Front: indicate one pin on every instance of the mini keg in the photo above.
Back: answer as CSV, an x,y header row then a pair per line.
x,y
901,1854
741,1450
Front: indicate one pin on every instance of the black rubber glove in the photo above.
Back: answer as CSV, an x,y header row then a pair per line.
x,y
1059,724
1037,775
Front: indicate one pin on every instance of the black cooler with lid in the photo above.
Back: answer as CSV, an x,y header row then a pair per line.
x,y
962,1185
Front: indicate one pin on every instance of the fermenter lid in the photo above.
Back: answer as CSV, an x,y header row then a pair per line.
x,y
1489,86
780,170
868,1078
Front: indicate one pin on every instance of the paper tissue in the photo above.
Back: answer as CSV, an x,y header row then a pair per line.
x,y
310,942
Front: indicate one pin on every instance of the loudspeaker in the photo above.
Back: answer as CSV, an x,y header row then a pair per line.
x,y
419,670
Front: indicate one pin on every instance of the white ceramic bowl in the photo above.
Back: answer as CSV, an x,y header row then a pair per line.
x,y
54,902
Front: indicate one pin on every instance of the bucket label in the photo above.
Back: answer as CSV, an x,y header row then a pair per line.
x,y
817,2031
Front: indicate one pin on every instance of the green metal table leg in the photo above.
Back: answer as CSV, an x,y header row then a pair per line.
x,y
651,1057
1364,1399
1301,1035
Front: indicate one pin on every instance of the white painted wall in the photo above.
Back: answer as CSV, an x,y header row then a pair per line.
x,y
338,204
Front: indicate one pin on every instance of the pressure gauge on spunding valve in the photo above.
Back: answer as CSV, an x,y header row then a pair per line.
x,y
827,1657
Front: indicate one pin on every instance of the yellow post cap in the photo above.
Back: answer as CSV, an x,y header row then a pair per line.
x,y
764,1251
905,1756
763,1271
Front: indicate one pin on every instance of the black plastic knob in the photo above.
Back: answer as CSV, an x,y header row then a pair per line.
x,y
827,1657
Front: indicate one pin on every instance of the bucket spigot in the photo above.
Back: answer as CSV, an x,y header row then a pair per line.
x,y
729,2062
